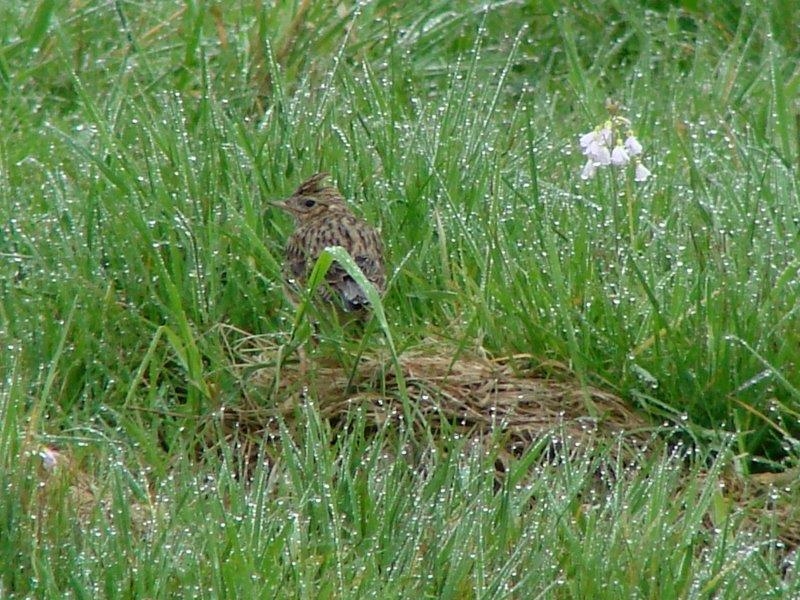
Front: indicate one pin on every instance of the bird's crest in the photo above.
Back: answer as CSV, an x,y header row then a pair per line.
x,y
312,185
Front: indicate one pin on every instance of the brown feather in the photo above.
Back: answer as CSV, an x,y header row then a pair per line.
x,y
323,219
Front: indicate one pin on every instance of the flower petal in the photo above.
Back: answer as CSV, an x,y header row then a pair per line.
x,y
607,134
633,146
601,155
587,138
588,170
642,173
619,156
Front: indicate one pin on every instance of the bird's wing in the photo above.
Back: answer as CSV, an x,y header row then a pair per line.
x,y
369,258
340,283
360,240
296,259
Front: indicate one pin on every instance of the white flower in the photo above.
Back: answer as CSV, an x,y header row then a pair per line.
x,y
604,146
633,146
607,134
588,170
600,154
595,146
641,173
619,156
587,138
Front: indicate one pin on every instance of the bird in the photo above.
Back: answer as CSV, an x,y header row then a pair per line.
x,y
323,219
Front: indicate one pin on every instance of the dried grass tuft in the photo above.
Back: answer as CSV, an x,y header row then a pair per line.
x,y
468,393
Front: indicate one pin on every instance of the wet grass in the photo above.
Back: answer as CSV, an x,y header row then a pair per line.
x,y
357,516
139,146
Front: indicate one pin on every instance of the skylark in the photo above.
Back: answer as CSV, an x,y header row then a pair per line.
x,y
323,219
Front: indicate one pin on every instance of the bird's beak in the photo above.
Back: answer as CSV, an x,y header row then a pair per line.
x,y
279,204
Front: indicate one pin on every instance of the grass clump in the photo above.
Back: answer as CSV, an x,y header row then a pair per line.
x,y
358,515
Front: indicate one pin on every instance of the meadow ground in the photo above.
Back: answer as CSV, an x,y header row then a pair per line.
x,y
574,387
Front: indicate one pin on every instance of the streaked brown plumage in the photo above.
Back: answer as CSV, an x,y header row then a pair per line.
x,y
323,219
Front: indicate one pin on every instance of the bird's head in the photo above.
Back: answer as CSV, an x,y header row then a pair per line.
x,y
313,199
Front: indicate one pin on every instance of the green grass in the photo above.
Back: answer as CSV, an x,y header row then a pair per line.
x,y
140,142
353,518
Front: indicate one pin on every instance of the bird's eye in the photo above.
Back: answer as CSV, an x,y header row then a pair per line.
x,y
309,203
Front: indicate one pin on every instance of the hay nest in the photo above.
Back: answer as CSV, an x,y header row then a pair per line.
x,y
465,392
